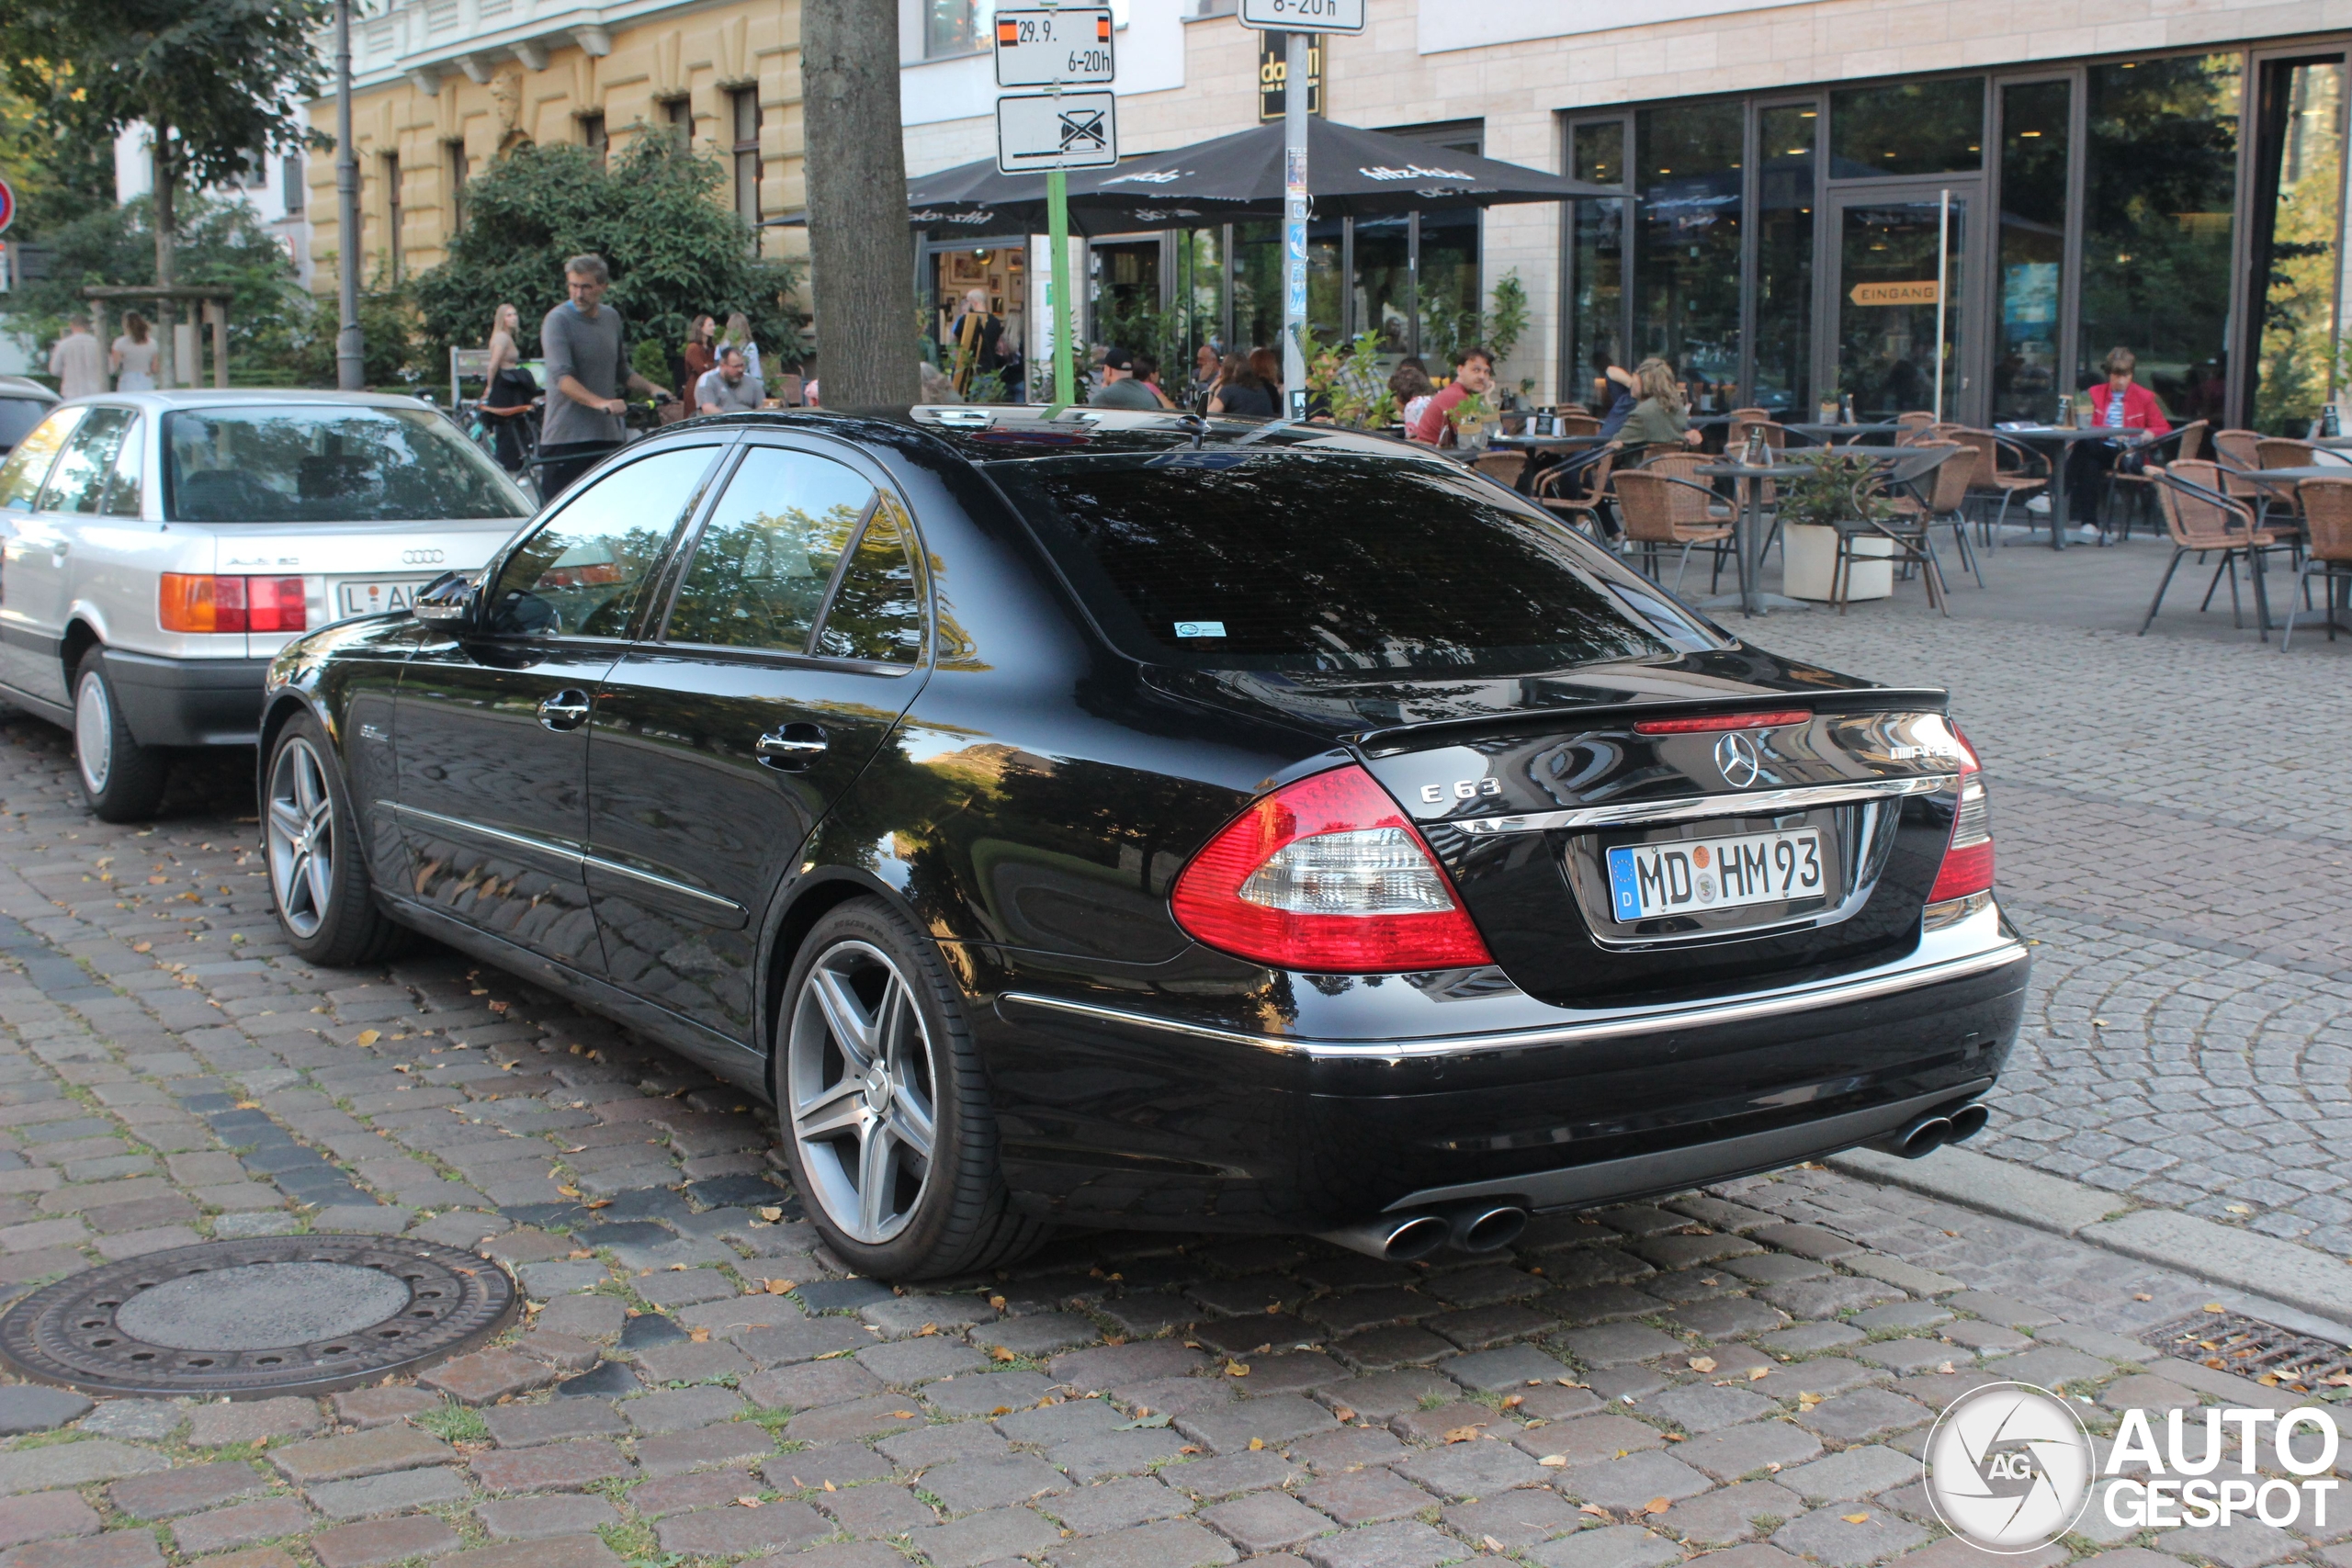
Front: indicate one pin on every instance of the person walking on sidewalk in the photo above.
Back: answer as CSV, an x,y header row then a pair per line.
x,y
586,346
77,363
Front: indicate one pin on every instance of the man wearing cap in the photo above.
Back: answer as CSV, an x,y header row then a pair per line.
x,y
1120,388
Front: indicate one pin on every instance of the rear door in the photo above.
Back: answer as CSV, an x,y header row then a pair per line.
x,y
31,555
490,725
794,640
44,573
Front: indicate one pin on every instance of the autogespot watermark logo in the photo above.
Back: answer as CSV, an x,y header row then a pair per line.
x,y
2009,1469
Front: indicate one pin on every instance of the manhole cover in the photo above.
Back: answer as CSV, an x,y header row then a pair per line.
x,y
250,1318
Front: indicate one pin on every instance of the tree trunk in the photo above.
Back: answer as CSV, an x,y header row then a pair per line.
x,y
166,223
860,258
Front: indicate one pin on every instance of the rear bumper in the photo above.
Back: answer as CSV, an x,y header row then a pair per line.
x,y
1118,1113
188,701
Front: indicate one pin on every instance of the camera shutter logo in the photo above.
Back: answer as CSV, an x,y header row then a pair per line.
x,y
1736,756
2009,1467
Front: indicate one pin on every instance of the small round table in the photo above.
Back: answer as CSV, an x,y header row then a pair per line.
x,y
2056,441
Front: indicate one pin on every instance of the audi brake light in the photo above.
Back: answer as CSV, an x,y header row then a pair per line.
x,y
1968,856
1327,875
202,601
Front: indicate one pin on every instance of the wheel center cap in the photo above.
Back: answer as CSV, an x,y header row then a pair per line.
x,y
877,1088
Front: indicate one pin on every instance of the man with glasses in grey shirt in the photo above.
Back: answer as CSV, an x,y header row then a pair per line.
x,y
586,347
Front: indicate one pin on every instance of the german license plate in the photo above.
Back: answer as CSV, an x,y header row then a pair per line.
x,y
374,598
1693,875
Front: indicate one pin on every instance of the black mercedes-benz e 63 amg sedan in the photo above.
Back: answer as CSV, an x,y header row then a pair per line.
x,y
1128,819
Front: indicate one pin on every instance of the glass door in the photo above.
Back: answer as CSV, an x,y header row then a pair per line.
x,y
1898,271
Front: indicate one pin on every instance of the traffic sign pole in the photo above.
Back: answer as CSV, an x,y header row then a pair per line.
x,y
1294,225
1057,299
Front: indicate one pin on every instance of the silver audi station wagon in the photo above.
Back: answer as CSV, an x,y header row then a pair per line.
x,y
157,549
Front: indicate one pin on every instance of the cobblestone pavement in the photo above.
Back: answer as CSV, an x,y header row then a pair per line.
x,y
1746,1375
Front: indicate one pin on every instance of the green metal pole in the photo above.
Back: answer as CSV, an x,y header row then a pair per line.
x,y
1059,301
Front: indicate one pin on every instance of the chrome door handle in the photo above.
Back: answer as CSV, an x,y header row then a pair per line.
x,y
792,748
568,709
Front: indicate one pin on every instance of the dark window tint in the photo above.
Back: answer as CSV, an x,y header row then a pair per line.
x,y
877,613
768,553
78,482
1322,561
18,417
1908,127
326,463
583,572
21,475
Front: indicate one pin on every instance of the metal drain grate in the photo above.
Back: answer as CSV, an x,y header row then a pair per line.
x,y
2264,1352
275,1315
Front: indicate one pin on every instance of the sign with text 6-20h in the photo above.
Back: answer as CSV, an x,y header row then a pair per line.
x,y
1067,46
1303,16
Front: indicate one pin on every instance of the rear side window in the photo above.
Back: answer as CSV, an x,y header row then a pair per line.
x,y
1320,562
27,466
877,613
583,572
78,482
18,417
327,463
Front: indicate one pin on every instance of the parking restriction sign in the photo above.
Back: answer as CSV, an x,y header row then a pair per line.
x,y
1057,131
1057,46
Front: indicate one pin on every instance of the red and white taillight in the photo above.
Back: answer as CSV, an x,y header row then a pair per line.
x,y
1327,876
1967,870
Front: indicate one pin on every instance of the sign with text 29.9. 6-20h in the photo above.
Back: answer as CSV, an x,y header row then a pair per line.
x,y
1054,47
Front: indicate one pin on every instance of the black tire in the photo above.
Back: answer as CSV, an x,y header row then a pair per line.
x,y
312,846
122,780
957,1217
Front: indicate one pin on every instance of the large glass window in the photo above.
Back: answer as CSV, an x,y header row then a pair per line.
x,y
1257,286
1908,127
1449,292
2159,190
956,26
2298,206
1786,143
1686,300
1384,281
2035,135
1597,264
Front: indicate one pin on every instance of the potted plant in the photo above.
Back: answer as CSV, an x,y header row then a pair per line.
x,y
1836,495
1473,419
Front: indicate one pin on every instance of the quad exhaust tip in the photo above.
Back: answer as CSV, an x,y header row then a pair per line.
x,y
1403,1239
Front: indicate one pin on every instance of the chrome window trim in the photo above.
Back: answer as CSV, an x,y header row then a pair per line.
x,y
1754,802
1660,1021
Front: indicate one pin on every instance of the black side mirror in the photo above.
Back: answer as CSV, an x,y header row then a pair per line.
x,y
449,599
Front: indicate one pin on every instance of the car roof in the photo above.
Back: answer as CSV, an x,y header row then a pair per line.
x,y
21,385
251,397
996,432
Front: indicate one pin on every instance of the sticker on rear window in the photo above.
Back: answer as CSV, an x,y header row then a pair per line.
x,y
1200,628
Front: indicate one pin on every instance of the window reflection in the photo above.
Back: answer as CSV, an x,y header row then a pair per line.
x,y
1908,127
1685,309
2301,158
1785,139
765,559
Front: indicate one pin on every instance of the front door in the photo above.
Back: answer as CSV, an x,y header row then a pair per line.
x,y
794,642
491,726
1887,306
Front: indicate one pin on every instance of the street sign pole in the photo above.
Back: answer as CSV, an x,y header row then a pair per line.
x,y
1294,72
1057,299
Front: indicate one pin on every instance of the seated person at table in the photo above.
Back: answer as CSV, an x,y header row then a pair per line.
x,y
1473,372
729,388
2125,407
1661,422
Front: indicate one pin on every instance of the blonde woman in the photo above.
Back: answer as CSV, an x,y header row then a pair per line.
x,y
506,385
505,322
133,355
1661,420
738,336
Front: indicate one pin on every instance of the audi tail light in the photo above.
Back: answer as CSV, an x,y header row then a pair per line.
x,y
201,601
1967,869
1327,875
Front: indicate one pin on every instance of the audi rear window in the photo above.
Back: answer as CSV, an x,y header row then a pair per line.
x,y
1308,560
327,463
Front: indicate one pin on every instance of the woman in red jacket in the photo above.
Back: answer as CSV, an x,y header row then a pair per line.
x,y
2125,407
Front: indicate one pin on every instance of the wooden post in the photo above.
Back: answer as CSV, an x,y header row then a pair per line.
x,y
216,312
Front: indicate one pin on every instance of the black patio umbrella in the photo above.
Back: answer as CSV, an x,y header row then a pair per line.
x,y
1349,172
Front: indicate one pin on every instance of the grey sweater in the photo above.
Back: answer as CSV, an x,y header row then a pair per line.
x,y
595,355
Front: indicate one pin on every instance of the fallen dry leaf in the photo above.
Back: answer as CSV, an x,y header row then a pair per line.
x,y
904,1416
2143,1296
926,1331
581,1252
1343,1412
1194,1448
569,1192
1855,1518
1000,1353
772,1214
1257,1443
677,1268
369,1037
1002,1410
1758,1373
1676,1437
1514,1401
1595,1509
747,1502
2215,1306
1657,1506
1945,1368
829,1485
598,1203
699,1335
1806,1400
1464,1434
1554,1461
997,1302
1703,1363
1235,1369
1490,1543
776,1287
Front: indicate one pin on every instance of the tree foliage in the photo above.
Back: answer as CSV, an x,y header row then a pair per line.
x,y
57,178
651,212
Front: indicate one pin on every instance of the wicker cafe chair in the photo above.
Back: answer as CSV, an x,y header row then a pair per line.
x,y
1908,533
1579,423
2237,453
1660,509
1912,427
2201,518
2327,514
1503,468
2028,472
2186,444
1947,493
2276,452
1585,511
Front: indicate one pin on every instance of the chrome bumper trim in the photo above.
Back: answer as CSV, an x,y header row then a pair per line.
x,y
1760,803
1658,1021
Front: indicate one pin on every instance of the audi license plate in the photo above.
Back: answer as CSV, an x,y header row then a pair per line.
x,y
374,598
1682,877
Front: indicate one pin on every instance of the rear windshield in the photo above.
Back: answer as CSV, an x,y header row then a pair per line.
x,y
320,463
1322,561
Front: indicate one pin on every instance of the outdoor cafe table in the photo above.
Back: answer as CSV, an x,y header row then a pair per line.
x,y
2056,441
1547,443
1828,434
1748,527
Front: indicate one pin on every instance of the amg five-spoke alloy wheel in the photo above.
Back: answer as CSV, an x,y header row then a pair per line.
x,y
884,1108
318,875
